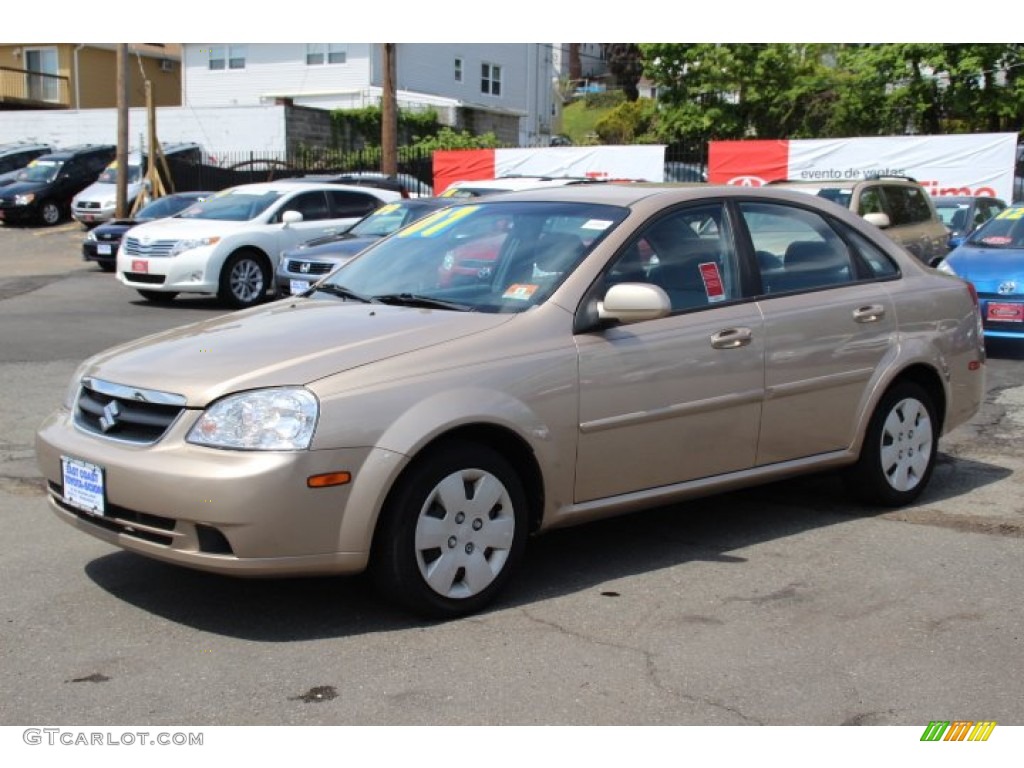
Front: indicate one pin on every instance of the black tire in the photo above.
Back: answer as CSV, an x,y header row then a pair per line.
x,y
50,213
244,280
107,266
157,297
899,451
480,538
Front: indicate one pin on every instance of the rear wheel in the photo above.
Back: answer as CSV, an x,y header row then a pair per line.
x,y
157,297
452,531
899,450
243,280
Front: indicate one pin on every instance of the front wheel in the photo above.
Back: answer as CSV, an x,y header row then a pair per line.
x,y
49,213
243,280
899,450
452,531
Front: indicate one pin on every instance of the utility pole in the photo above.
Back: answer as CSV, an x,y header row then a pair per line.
x,y
389,114
122,130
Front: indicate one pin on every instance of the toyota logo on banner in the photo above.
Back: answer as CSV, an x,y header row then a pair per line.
x,y
746,181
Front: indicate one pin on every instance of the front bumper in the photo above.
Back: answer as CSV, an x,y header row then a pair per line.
x,y
19,213
247,513
89,215
188,272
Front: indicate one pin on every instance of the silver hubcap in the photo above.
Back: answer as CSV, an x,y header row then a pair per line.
x,y
51,214
246,281
906,444
464,533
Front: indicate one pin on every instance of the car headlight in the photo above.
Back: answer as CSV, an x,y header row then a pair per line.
x,y
90,235
187,245
945,267
25,199
261,420
109,203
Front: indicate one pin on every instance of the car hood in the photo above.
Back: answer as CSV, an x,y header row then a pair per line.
x,y
986,268
22,187
340,248
286,343
173,228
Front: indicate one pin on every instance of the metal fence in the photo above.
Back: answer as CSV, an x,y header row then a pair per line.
x,y
227,170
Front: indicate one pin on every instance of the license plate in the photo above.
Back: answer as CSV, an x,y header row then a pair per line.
x,y
140,266
103,249
1,214
83,485
999,312
89,217
298,286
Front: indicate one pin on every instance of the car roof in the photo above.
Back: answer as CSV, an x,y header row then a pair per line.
x,y
292,185
22,147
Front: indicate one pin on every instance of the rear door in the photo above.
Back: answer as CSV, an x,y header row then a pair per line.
x,y
829,325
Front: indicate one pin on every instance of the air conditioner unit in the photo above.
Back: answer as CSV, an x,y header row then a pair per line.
x,y
166,65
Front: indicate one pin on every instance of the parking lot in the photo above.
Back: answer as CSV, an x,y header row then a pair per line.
x,y
785,605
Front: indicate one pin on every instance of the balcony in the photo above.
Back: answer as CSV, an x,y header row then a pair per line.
x,y
25,89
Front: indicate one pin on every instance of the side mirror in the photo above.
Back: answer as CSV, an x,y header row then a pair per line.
x,y
291,217
880,220
634,303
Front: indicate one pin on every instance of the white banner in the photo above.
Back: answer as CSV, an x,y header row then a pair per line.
x,y
964,164
639,162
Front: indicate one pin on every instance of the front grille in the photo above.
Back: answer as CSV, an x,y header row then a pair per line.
x,y
87,205
142,277
109,237
148,249
315,267
123,413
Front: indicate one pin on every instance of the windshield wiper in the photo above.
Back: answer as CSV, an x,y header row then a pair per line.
x,y
417,300
342,292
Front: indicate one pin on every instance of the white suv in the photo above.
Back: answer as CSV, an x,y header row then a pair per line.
x,y
227,245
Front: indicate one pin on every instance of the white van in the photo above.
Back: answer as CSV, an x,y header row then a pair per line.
x,y
98,202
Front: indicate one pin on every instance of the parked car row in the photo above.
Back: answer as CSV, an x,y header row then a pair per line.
x,y
43,190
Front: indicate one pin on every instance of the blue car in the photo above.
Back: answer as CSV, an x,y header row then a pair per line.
x,y
992,260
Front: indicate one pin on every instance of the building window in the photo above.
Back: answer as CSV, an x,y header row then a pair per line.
x,y
325,53
227,57
458,70
490,79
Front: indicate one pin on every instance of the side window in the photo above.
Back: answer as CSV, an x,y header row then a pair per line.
x,y
349,205
312,206
796,249
8,163
907,204
689,253
870,202
879,265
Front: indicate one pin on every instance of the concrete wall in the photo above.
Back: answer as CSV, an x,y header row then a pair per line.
x,y
217,129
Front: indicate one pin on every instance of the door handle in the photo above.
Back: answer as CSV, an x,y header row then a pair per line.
x,y
731,338
869,314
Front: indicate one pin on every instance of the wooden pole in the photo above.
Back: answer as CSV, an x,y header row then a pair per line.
x,y
389,114
122,130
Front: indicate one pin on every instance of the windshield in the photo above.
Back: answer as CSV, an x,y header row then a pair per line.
x,y
948,213
389,218
164,206
1004,231
488,257
40,170
109,175
232,206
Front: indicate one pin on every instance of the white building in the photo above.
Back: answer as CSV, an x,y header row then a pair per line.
x,y
506,88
